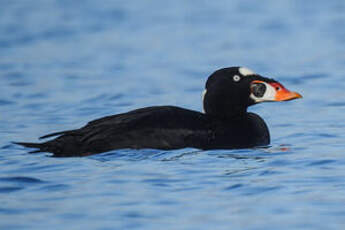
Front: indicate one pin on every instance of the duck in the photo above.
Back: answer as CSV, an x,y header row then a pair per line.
x,y
225,122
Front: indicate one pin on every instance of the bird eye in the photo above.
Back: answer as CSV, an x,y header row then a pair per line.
x,y
278,88
236,78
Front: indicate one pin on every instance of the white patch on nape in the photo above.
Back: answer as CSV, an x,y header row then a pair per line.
x,y
203,94
245,71
269,94
203,97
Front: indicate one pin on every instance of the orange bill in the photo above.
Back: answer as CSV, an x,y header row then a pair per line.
x,y
283,94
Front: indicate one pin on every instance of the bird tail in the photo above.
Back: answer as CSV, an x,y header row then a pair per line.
x,y
30,145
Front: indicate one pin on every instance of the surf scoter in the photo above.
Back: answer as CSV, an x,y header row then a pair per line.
x,y
225,123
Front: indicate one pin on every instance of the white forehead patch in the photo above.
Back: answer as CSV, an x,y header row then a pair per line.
x,y
245,72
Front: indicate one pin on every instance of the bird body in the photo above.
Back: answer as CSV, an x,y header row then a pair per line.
x,y
226,124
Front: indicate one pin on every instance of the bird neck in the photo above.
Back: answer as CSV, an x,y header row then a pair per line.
x,y
236,113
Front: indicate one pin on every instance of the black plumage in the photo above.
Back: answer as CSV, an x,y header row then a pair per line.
x,y
226,124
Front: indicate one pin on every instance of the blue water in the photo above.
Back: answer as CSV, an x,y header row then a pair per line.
x,y
64,63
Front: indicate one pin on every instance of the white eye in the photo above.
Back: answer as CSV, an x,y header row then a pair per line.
x,y
236,78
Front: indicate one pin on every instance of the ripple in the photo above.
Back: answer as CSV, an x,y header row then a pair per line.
x,y
126,154
6,102
24,83
11,210
269,173
252,191
336,104
117,96
133,214
321,162
244,156
326,135
20,179
10,189
176,155
162,182
235,186
242,172
7,146
15,75
55,187
96,99
130,54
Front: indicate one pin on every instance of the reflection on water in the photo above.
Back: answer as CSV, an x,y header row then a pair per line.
x,y
63,64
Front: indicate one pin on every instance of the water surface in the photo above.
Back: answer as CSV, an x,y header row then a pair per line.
x,y
63,63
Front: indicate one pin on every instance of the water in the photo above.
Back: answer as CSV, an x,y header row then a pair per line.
x,y
64,63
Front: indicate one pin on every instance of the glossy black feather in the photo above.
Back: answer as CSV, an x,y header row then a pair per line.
x,y
161,127
225,125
